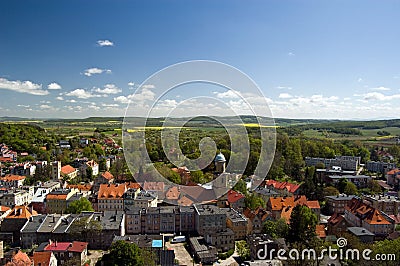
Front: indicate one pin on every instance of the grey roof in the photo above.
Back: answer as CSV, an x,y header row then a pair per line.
x,y
208,210
50,223
360,231
265,191
340,197
110,220
383,198
33,224
349,176
65,223
235,216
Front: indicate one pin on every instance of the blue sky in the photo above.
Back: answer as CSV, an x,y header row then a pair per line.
x,y
311,59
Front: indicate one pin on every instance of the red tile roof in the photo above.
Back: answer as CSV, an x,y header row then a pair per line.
x,y
234,196
78,246
282,185
75,246
67,169
335,219
41,258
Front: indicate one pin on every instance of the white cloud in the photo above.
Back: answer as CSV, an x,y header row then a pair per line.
x,y
71,101
285,96
45,106
94,70
359,80
54,86
291,54
131,84
22,86
380,96
81,94
122,99
229,94
138,98
381,88
284,88
60,98
25,106
147,86
109,105
105,43
108,89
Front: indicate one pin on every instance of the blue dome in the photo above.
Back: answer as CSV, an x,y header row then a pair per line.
x,y
219,158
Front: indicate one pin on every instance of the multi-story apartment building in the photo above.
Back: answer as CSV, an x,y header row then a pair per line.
x,y
380,167
238,223
111,197
57,201
387,204
12,181
14,197
209,219
344,162
359,214
337,204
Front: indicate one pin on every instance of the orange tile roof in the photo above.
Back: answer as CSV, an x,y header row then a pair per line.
x,y
10,178
107,175
21,212
20,259
376,217
172,193
67,169
278,203
56,196
360,209
6,159
4,208
393,171
132,185
185,201
234,196
41,258
313,204
320,230
108,191
83,187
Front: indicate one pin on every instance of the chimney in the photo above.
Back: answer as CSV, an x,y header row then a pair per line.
x,y
55,243
54,219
